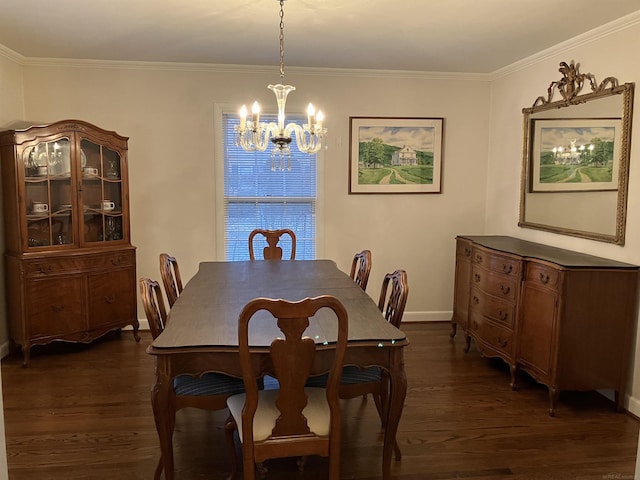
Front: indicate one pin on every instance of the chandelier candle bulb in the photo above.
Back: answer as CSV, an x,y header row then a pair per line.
x,y
311,113
243,117
255,114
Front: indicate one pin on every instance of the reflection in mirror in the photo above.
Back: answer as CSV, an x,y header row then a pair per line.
x,y
576,158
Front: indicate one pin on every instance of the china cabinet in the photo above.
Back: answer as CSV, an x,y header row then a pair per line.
x,y
70,266
564,317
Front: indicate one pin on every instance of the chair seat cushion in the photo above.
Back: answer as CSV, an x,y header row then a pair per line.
x,y
209,384
316,412
350,375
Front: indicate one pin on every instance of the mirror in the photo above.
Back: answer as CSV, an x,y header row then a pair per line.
x,y
576,158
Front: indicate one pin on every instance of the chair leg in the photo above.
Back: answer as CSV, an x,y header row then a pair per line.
x,y
229,429
158,473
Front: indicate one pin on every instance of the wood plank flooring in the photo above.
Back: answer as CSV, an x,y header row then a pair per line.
x,y
83,412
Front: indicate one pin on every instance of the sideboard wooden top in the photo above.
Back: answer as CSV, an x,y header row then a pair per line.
x,y
565,258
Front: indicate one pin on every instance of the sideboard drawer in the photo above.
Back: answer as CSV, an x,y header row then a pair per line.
x,y
501,286
492,307
496,263
542,275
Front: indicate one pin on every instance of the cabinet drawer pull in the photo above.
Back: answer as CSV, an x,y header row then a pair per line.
x,y
544,278
476,300
474,324
476,278
505,289
57,307
43,268
507,268
467,251
109,299
503,315
501,343
478,258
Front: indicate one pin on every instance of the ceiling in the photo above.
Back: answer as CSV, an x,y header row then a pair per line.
x,y
472,36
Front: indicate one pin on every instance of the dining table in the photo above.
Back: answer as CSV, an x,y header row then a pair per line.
x,y
201,333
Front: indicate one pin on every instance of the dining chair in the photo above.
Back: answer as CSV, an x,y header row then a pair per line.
x,y
210,391
356,381
361,268
171,279
272,251
292,420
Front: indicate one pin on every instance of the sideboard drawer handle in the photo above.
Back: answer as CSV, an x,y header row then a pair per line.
x,y
544,279
501,343
467,251
476,300
57,307
109,299
503,315
505,289
507,268
476,278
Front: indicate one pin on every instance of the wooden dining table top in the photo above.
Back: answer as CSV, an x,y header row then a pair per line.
x,y
205,316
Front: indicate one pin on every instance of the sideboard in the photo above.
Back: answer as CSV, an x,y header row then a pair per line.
x,y
564,317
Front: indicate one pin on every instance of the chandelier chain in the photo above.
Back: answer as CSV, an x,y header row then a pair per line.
x,y
282,39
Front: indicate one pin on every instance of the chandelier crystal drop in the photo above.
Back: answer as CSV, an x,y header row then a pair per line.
x,y
252,134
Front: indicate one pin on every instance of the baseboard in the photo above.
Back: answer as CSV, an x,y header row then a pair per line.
x,y
426,316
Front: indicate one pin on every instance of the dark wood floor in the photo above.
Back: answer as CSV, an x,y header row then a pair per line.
x,y
83,412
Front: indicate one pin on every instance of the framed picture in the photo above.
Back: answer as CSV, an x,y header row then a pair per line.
x,y
575,155
395,155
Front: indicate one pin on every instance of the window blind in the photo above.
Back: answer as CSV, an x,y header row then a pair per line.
x,y
257,197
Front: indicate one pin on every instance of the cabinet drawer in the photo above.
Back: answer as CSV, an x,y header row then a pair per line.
x,y
502,286
463,249
79,263
494,336
112,298
492,307
544,275
55,306
496,263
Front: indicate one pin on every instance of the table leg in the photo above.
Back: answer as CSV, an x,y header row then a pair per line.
x,y
397,395
161,403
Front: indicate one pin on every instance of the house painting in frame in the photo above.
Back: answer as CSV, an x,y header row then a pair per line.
x,y
395,155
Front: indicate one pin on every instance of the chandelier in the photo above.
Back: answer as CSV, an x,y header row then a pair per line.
x,y
252,134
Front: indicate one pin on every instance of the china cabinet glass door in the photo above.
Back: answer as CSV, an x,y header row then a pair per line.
x,y
49,193
101,193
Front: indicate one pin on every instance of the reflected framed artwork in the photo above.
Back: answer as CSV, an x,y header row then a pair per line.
x,y
395,155
575,155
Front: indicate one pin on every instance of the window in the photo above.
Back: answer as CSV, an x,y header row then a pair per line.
x,y
254,196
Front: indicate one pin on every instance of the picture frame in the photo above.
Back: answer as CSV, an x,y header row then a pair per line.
x,y
395,155
575,155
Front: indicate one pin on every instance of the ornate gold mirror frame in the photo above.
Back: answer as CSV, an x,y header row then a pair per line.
x,y
575,167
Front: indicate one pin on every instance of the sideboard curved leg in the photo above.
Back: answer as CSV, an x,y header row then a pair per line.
x,y
454,329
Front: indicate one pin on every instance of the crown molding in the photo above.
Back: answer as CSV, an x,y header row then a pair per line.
x,y
11,55
248,69
586,38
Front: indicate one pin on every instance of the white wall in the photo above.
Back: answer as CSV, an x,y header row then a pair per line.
x,y
614,54
168,115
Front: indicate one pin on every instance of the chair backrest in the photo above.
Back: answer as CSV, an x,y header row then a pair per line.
x,y
153,303
393,306
272,251
171,279
361,268
292,358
